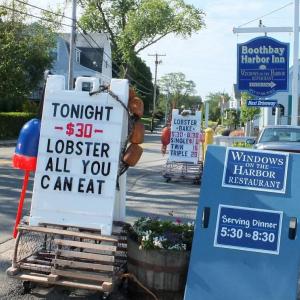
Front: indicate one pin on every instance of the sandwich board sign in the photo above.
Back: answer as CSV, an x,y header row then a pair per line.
x,y
245,243
78,155
185,136
263,66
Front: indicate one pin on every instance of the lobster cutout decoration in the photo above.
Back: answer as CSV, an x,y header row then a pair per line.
x,y
134,152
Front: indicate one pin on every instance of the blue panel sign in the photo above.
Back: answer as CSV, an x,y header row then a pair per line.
x,y
261,103
248,229
263,66
255,170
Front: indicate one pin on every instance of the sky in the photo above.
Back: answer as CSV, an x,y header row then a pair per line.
x,y
209,57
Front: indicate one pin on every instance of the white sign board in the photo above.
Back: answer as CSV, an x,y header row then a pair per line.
x,y
78,157
185,136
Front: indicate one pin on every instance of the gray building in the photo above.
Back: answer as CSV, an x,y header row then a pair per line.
x,y
92,56
92,59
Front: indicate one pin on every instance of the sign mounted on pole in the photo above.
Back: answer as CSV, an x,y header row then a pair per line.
x,y
262,66
261,103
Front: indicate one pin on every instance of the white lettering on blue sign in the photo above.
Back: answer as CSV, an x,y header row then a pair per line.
x,y
248,229
261,103
255,170
263,66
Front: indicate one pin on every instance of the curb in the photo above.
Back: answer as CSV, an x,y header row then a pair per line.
x,y
7,246
8,143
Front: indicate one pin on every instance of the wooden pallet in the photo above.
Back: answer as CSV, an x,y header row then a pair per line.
x,y
78,258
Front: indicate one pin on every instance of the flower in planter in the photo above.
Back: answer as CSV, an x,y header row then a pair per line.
x,y
153,233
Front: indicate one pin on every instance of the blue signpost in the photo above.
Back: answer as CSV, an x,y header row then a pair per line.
x,y
262,67
246,244
261,103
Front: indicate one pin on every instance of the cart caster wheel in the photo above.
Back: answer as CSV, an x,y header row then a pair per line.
x,y
105,296
26,287
168,179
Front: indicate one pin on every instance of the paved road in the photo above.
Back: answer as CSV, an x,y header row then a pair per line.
x,y
147,194
10,187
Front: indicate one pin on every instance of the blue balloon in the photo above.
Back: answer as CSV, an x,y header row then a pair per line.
x,y
28,141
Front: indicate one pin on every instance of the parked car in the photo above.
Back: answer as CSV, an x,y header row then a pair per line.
x,y
278,138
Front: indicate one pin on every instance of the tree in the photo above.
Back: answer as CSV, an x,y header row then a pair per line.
x,y
25,53
178,89
134,25
248,113
142,82
217,102
231,118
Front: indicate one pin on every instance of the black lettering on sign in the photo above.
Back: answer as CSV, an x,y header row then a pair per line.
x,y
80,111
44,182
58,165
64,184
96,167
49,166
85,186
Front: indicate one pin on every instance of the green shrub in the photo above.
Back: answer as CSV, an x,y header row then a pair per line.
x,y
242,145
30,106
147,122
11,123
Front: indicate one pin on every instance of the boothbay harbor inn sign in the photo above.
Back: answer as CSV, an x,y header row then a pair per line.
x,y
78,157
262,67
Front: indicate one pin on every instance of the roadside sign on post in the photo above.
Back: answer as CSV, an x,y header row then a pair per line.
x,y
78,157
185,136
262,66
261,103
246,241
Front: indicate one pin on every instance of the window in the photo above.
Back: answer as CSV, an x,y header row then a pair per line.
x,y
77,55
281,110
86,86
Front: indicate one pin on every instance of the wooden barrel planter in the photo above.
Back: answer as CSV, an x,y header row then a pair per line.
x,y
158,270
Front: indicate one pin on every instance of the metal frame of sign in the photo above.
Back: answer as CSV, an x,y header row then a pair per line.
x,y
254,188
245,248
272,92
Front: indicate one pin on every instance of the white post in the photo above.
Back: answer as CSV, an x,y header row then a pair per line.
x,y
72,47
276,115
206,113
295,65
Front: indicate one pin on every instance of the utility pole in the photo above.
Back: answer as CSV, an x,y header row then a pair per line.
x,y
155,79
72,46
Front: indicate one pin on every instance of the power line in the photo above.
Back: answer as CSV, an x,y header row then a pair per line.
x,y
31,15
271,12
82,33
78,24
45,10
116,73
142,75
